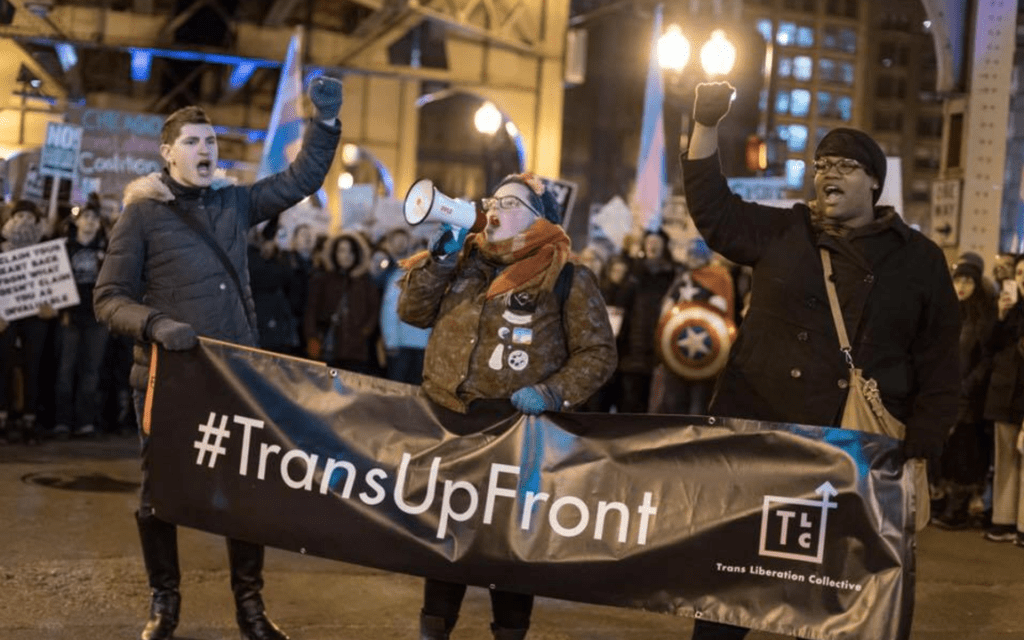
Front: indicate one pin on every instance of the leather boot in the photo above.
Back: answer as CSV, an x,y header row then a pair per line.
x,y
956,515
246,560
160,553
501,633
434,627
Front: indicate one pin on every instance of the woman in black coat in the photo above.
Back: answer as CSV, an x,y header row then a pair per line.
x,y
965,457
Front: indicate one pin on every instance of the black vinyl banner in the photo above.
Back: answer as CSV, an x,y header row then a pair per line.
x,y
792,529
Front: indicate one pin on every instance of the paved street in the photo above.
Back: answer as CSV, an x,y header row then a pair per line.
x,y
70,569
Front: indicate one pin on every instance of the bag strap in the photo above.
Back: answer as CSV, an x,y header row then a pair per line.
x,y
833,302
193,223
563,285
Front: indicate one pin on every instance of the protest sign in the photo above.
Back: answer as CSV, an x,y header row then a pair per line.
x,y
35,275
59,156
797,530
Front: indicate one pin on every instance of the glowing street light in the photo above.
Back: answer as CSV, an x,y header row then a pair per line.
x,y
488,119
718,55
673,49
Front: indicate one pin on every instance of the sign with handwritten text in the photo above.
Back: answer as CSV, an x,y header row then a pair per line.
x,y
36,275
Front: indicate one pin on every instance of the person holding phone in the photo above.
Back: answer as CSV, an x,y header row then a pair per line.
x,y
1004,404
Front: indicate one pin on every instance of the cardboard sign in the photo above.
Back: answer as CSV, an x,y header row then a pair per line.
x,y
38,274
60,151
565,193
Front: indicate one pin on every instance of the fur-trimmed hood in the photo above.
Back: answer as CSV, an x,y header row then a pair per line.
x,y
153,186
362,266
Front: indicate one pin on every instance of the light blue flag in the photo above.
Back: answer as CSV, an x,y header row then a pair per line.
x,y
650,165
284,135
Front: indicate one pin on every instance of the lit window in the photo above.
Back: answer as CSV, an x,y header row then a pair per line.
x,y
785,66
786,35
800,102
795,174
782,102
796,138
847,73
802,66
844,105
805,37
825,104
764,27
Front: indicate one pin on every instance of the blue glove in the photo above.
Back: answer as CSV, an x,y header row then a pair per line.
x,y
535,400
447,240
325,94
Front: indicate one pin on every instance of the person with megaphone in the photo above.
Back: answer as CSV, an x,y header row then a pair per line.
x,y
513,320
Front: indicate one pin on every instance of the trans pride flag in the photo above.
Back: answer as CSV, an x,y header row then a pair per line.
x,y
650,165
284,135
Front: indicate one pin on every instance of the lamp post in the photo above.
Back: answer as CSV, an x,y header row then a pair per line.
x,y
487,121
717,58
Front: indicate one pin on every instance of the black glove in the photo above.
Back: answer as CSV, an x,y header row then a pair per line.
x,y
924,446
171,334
712,102
325,94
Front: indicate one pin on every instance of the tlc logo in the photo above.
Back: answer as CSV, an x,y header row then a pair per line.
x,y
794,528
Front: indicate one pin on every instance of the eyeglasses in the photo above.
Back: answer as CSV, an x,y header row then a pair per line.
x,y
845,166
506,202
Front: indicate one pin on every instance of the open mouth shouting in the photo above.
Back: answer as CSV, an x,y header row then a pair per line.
x,y
204,168
832,193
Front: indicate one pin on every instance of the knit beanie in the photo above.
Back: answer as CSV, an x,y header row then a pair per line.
x,y
969,264
854,144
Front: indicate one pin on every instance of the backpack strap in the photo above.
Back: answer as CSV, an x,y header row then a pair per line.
x,y
564,283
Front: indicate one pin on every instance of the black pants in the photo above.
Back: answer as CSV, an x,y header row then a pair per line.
x,y
444,599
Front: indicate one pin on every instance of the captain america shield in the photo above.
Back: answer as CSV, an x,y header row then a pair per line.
x,y
693,340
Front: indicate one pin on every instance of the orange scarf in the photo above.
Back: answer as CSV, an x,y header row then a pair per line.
x,y
534,258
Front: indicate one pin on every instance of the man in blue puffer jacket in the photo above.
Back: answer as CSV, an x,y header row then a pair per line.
x,y
163,282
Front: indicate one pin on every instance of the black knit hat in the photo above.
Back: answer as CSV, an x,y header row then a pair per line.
x,y
845,142
969,264
25,205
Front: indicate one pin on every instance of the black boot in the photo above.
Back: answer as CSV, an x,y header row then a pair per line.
x,y
956,515
434,627
501,633
246,561
160,553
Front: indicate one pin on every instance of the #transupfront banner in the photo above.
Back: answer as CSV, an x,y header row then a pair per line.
x,y
792,529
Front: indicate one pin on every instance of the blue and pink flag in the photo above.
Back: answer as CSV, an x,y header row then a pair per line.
x,y
650,165
284,135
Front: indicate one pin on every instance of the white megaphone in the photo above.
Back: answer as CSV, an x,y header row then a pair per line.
x,y
424,202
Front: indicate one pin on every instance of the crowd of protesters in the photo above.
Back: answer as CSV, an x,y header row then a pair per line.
x,y
334,299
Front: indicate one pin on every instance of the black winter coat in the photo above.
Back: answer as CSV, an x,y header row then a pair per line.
x,y
896,295
1005,399
975,367
156,264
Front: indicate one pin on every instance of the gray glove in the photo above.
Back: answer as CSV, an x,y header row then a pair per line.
x,y
325,93
712,102
171,334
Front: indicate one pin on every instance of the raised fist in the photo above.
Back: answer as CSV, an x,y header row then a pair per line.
x,y
325,94
712,102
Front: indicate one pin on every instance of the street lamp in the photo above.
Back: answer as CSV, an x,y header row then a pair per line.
x,y
717,58
488,119
718,55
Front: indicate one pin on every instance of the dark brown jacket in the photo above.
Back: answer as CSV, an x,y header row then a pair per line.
x,y
485,349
